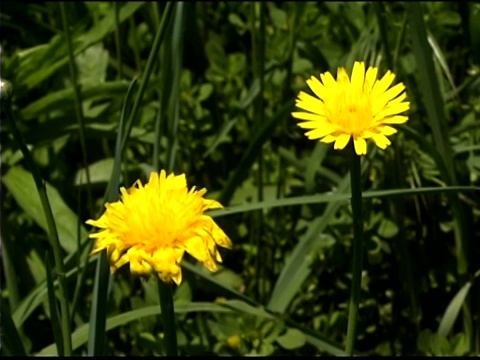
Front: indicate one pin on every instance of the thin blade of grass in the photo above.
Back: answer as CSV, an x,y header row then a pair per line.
x,y
78,102
51,225
96,341
176,53
148,69
11,341
337,197
52,304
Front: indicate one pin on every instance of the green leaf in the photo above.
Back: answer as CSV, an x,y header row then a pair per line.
x,y
20,183
63,99
452,311
387,228
39,63
100,172
292,339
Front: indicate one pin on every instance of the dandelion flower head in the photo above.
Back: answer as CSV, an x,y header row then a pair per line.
x,y
152,226
360,108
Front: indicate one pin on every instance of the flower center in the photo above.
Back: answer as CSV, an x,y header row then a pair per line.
x,y
353,113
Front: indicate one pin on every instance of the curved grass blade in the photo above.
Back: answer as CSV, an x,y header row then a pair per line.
x,y
297,267
80,335
52,229
452,311
230,306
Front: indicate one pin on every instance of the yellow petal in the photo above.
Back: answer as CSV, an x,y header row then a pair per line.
x,y
316,86
381,140
387,130
312,124
329,82
382,85
342,77
360,145
392,110
308,116
370,79
399,119
341,141
320,132
328,139
358,76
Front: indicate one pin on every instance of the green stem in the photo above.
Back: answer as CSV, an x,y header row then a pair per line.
x,y
168,317
356,191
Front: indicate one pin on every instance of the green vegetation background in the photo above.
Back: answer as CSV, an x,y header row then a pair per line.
x,y
216,105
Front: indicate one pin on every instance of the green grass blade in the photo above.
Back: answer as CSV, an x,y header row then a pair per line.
x,y
11,342
52,304
337,197
52,229
148,69
98,314
96,342
452,311
111,192
9,263
80,335
78,101
176,53
35,298
63,99
297,267
429,86
230,306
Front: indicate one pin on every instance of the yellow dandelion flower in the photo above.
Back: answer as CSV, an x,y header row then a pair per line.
x,y
360,108
152,226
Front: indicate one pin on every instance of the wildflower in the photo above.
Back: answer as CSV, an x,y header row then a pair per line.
x,y
152,226
361,108
234,341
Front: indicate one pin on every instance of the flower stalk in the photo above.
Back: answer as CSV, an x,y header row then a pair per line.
x,y
356,201
168,317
